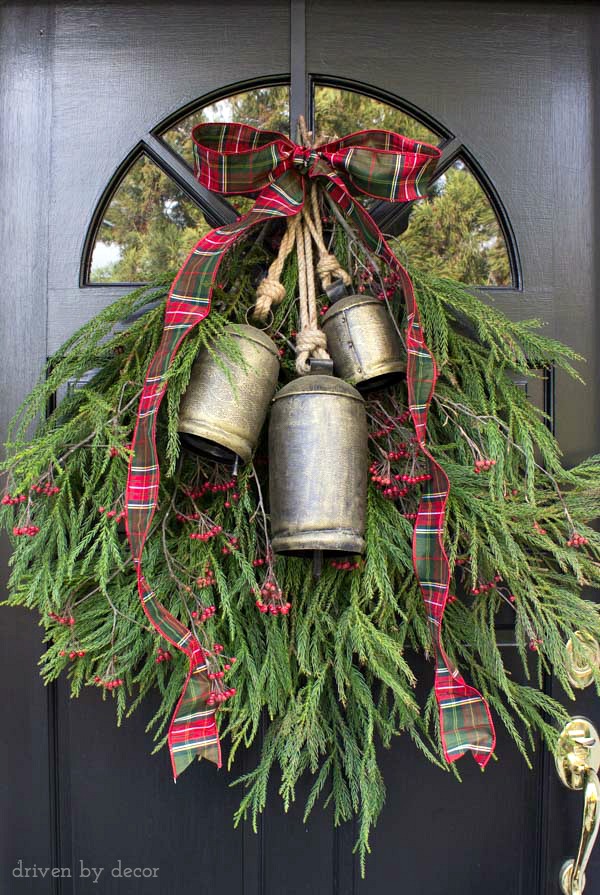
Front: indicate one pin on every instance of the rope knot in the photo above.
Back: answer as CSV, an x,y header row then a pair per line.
x,y
269,291
310,342
329,268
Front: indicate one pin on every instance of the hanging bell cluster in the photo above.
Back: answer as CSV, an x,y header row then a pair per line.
x,y
318,440
225,405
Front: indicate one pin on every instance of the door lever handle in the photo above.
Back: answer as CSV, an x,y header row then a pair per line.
x,y
583,655
577,763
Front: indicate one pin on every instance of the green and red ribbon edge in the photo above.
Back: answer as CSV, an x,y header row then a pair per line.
x,y
234,159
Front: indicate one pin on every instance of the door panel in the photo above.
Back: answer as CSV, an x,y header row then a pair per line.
x,y
119,69
513,84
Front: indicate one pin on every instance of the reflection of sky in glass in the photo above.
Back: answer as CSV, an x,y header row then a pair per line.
x,y
219,111
104,255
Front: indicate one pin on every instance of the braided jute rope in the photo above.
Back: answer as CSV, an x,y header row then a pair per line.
x,y
328,266
271,290
310,341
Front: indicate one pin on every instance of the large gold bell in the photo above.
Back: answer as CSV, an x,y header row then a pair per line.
x,y
363,342
318,467
221,416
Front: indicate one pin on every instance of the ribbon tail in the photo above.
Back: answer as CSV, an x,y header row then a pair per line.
x,y
193,730
465,719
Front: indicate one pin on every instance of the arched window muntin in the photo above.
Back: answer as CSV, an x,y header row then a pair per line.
x,y
393,219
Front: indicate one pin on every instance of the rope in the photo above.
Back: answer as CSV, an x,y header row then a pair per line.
x,y
271,290
328,266
310,341
301,230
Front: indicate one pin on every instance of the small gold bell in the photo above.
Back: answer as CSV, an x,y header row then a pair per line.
x,y
220,416
318,467
363,342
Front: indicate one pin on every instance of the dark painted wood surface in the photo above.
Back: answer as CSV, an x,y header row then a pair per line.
x,y
84,83
28,828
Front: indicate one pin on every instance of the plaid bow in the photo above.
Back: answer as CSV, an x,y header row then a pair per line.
x,y
235,159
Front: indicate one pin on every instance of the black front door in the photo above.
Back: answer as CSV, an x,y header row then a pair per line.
x,y
88,91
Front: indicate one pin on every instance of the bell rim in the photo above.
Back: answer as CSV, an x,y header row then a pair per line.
x,y
238,446
299,543
394,369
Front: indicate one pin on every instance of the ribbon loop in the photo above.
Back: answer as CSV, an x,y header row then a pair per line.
x,y
238,159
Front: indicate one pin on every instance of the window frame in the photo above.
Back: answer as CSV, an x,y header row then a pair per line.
x,y
393,218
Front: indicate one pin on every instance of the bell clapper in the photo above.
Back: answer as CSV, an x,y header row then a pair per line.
x,y
317,564
236,466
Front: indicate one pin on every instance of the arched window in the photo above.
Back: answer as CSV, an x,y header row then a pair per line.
x,y
154,210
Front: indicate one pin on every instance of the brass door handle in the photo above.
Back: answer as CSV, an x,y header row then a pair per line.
x,y
577,763
579,668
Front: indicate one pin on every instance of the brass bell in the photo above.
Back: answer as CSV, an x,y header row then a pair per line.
x,y
363,342
318,467
221,416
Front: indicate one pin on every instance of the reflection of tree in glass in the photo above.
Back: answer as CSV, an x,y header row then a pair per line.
x,y
265,107
149,224
456,233
148,228
339,112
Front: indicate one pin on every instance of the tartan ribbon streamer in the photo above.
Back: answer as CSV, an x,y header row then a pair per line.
x,y
236,159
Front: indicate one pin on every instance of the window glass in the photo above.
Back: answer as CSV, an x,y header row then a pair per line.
x,y
150,223
339,112
264,107
147,229
455,232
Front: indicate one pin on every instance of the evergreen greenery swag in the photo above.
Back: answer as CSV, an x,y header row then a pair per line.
x,y
334,677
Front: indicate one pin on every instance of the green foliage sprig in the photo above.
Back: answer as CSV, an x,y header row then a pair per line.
x,y
334,678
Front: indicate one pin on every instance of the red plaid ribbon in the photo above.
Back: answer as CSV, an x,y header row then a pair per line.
x,y
234,159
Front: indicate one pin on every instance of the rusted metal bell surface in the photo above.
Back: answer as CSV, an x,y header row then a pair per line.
x,y
363,342
318,467
220,418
